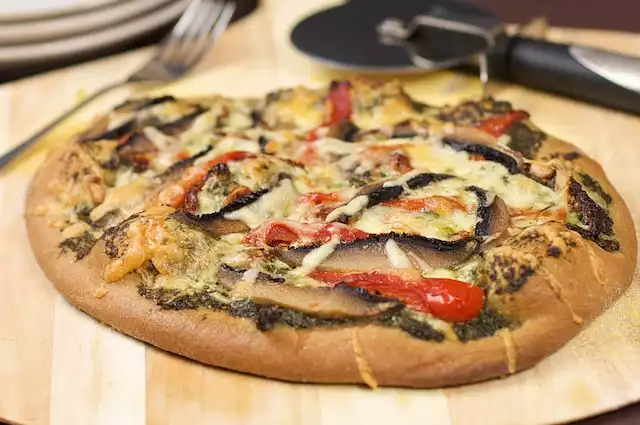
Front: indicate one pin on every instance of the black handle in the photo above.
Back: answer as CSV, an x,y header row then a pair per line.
x,y
552,67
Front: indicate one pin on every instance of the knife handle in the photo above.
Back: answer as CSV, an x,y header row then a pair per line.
x,y
597,76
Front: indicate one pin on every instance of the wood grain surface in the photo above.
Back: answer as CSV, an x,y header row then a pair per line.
x,y
60,367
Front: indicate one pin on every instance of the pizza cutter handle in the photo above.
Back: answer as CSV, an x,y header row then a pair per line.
x,y
597,76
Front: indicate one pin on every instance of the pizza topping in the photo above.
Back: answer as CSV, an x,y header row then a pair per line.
x,y
440,205
498,124
137,150
174,195
148,240
367,254
293,108
588,218
381,192
342,129
595,190
338,103
275,203
396,256
485,324
81,245
244,211
493,216
485,152
127,199
506,268
525,140
393,230
446,299
284,233
353,207
319,301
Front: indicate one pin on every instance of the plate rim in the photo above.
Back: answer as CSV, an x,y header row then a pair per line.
x,y
81,7
21,55
24,33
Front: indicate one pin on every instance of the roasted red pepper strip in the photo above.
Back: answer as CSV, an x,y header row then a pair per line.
x,y
337,107
440,204
280,233
446,299
498,124
338,102
229,157
317,198
277,234
311,136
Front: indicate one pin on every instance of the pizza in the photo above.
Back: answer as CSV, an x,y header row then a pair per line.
x,y
341,234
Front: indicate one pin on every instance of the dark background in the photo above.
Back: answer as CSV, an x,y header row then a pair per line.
x,y
620,15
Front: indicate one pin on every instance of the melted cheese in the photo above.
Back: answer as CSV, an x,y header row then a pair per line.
x,y
298,107
158,138
518,191
402,180
353,207
329,145
129,199
397,257
381,219
316,257
277,203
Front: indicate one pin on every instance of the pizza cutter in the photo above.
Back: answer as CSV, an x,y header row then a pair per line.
x,y
410,36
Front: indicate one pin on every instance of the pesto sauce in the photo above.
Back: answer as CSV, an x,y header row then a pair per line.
x,y
80,245
267,316
484,325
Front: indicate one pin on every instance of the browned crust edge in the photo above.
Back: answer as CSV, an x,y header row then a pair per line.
x,y
590,279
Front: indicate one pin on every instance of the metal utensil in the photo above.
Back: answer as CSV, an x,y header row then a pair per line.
x,y
431,39
195,32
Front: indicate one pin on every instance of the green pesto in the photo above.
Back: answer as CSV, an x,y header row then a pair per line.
x,y
80,245
487,323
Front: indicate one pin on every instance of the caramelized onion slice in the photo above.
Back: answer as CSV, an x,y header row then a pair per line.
x,y
363,255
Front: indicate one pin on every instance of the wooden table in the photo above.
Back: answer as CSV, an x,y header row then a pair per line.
x,y
58,366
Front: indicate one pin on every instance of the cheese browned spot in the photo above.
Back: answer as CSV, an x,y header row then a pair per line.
x,y
557,289
510,349
364,368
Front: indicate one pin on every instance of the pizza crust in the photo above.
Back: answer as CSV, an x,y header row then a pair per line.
x,y
589,280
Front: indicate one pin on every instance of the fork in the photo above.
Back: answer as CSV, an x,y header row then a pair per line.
x,y
197,29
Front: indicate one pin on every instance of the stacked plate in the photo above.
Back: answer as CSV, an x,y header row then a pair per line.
x,y
36,33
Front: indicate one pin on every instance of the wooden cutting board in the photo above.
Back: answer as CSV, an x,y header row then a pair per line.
x,y
60,367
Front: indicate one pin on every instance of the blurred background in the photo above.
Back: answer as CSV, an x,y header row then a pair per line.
x,y
41,35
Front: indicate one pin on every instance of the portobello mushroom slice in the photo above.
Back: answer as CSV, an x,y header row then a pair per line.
x,y
177,169
245,212
492,212
477,142
140,148
114,133
180,125
317,301
137,151
137,121
378,192
214,224
378,252
588,218
134,105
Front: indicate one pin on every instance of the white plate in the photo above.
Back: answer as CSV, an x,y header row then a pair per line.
x,y
68,25
20,10
13,56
